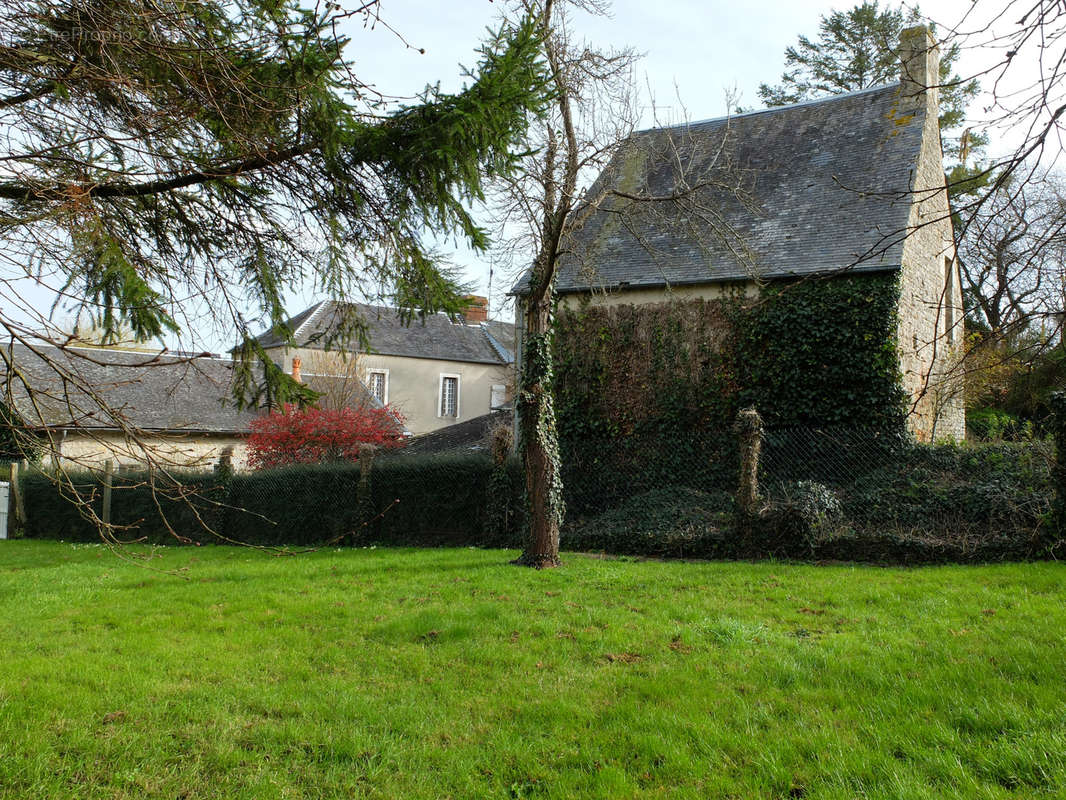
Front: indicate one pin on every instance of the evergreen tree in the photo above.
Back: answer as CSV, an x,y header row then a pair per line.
x,y
859,48
166,158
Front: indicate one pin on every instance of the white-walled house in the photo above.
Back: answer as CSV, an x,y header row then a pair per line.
x,y
436,371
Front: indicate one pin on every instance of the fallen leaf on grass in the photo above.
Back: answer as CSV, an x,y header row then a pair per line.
x,y
679,646
623,658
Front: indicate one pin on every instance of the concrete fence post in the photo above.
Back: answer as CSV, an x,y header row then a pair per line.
x,y
17,504
109,470
502,445
749,429
500,501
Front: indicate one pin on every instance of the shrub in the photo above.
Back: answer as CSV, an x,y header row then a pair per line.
x,y
968,490
993,424
815,501
673,521
316,435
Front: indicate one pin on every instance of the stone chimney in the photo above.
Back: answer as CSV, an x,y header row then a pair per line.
x,y
296,369
478,311
920,67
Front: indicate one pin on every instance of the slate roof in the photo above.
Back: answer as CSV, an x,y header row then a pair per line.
x,y
472,434
152,392
503,337
827,182
436,336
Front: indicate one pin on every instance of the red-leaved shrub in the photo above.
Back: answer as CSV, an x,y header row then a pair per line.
x,y
314,435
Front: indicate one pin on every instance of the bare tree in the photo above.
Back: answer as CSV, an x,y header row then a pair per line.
x,y
577,168
535,209
1020,46
1013,258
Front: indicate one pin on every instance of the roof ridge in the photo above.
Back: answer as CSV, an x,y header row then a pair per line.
x,y
311,316
503,353
179,357
772,110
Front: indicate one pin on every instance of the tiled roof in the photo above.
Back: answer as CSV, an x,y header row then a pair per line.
x,y
436,336
150,391
827,182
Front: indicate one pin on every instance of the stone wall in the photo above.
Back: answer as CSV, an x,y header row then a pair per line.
x,y
193,451
931,328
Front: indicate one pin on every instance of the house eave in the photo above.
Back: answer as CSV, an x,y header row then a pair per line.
x,y
725,280
66,427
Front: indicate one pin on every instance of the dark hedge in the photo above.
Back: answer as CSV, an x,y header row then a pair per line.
x,y
448,499
921,505
185,499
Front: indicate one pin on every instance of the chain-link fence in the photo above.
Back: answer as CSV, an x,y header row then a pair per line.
x,y
667,493
602,473
867,480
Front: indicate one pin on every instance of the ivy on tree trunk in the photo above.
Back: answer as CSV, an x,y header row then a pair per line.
x,y
539,440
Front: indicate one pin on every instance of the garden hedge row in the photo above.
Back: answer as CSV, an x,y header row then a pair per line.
x,y
411,500
922,505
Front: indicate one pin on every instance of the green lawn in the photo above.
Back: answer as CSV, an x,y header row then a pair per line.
x,y
447,673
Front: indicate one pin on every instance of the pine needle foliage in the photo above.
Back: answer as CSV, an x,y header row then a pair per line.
x,y
169,155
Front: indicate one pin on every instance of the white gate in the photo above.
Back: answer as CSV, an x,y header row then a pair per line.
x,y
4,486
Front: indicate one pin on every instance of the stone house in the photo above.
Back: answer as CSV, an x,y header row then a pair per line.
x,y
848,188
436,371
85,401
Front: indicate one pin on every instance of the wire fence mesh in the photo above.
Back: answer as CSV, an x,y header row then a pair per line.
x,y
603,473
872,481
652,494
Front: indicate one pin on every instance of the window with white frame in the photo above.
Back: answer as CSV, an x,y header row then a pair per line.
x,y
448,396
379,385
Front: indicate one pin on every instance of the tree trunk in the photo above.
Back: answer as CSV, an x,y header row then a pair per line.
x,y
539,441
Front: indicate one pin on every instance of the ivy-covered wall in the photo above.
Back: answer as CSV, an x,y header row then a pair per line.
x,y
819,353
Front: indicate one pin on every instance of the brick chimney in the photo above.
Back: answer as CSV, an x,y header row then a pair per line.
x,y
478,311
920,67
296,369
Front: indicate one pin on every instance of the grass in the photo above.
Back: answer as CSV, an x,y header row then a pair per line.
x,y
447,673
